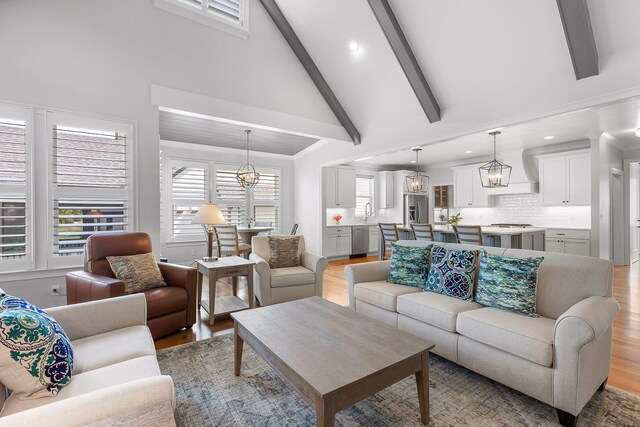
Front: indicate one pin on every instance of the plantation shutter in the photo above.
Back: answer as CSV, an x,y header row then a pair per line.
x,y
266,200
364,194
229,9
13,184
230,196
189,189
90,182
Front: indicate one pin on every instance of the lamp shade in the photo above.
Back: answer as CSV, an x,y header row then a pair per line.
x,y
209,214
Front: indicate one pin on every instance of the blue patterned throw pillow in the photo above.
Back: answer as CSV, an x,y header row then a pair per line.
x,y
36,358
508,283
453,272
409,265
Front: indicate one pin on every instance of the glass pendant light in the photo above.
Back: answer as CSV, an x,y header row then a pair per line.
x,y
417,182
247,175
495,173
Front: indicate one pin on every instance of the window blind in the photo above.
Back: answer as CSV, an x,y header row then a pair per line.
x,y
89,158
13,149
231,197
188,192
364,194
13,228
229,9
266,199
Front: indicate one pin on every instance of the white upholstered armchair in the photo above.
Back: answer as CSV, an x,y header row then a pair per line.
x,y
273,286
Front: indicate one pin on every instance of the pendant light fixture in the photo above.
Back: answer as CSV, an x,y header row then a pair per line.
x,y
247,175
417,182
495,173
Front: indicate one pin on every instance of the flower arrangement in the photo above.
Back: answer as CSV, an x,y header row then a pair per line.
x,y
454,219
337,218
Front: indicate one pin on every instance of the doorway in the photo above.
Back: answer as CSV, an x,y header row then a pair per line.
x,y
616,206
634,212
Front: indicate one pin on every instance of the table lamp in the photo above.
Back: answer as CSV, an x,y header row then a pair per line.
x,y
209,215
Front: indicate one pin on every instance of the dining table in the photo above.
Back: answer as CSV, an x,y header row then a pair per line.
x,y
246,233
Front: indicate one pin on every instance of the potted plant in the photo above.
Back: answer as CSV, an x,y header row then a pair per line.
x,y
454,219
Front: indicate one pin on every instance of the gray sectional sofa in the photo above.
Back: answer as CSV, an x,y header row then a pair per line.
x,y
560,358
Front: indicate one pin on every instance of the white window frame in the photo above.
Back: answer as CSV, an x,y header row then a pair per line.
x,y
373,192
54,118
25,114
203,16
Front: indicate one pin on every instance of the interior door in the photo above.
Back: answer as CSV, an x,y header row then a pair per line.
x,y
634,213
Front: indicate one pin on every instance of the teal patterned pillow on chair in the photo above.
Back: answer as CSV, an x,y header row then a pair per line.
x,y
508,283
453,272
409,265
36,358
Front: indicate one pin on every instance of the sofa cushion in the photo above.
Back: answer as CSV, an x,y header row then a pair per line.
x,y
120,373
161,301
36,357
382,293
409,265
138,272
112,347
283,251
508,283
434,309
290,276
453,272
528,337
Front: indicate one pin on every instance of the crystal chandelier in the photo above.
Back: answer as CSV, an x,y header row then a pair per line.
x,y
247,175
417,182
495,173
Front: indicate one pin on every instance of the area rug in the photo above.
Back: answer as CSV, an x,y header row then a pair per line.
x,y
209,394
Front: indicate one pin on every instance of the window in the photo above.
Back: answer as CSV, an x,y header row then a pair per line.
x,y
189,191
266,200
364,194
230,196
230,16
90,182
15,221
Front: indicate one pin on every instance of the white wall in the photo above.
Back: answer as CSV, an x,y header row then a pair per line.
x,y
102,58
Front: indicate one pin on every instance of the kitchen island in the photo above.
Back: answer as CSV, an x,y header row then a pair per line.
x,y
513,237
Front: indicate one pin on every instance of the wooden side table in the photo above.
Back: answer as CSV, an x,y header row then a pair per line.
x,y
229,266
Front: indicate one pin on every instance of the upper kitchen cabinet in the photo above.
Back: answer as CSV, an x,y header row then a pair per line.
x,y
340,187
385,189
441,196
468,190
565,179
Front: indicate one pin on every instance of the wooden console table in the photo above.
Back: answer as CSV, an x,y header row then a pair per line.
x,y
229,266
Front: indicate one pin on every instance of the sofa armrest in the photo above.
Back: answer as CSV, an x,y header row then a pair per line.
x,y
97,317
180,276
83,286
262,279
585,321
365,272
98,405
313,262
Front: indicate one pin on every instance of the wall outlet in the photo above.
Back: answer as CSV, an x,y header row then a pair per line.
x,y
56,290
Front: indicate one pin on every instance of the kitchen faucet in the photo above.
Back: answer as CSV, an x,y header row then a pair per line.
x,y
367,212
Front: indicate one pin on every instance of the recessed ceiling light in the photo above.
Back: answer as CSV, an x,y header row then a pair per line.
x,y
468,152
354,45
413,161
549,137
638,132
364,158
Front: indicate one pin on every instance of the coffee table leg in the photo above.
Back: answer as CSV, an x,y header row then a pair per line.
x,y
237,350
422,381
324,413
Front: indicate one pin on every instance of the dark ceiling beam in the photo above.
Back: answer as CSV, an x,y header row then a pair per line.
x,y
391,29
582,44
296,45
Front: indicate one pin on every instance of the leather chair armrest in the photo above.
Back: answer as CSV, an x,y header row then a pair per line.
x,y
83,287
180,276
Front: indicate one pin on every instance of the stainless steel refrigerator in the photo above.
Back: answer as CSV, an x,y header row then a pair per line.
x,y
416,209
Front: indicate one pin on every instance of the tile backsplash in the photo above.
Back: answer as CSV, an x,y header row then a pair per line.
x,y
526,209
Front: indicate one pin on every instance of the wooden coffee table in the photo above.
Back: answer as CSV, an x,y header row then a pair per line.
x,y
332,356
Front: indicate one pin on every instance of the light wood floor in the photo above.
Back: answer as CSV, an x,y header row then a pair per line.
x,y
625,366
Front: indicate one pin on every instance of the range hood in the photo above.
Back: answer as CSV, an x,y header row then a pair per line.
x,y
523,174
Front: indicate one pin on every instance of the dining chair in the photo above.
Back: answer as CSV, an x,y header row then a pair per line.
x,y
423,232
228,244
389,233
263,224
468,234
294,229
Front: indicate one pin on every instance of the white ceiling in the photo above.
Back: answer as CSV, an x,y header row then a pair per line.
x,y
619,119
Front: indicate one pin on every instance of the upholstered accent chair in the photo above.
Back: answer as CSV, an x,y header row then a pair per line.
x,y
169,308
273,286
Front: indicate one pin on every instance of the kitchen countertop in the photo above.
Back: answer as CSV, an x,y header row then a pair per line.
x,y
485,230
370,224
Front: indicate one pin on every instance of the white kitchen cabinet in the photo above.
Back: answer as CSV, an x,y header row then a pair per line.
x,y
565,179
373,239
468,190
340,188
568,241
385,189
337,242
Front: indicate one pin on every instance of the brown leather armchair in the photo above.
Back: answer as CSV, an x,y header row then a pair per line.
x,y
169,308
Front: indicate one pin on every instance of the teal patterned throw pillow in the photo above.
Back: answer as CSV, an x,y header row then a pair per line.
x,y
36,358
508,283
409,265
453,272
